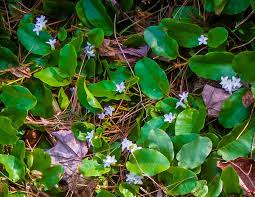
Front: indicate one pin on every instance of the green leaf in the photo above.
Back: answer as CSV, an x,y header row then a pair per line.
x,y
186,34
96,14
19,150
180,140
68,59
81,130
18,97
230,185
104,193
41,160
126,4
53,77
81,14
14,167
86,98
16,116
7,132
200,149
213,65
91,168
148,162
160,42
96,37
189,121
153,79
157,139
43,95
215,187
32,42
52,176
233,111
236,144
7,59
236,6
167,105
62,34
217,36
179,181
63,99
201,189
128,190
185,13
244,65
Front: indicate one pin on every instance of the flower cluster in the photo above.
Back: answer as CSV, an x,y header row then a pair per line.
x,y
108,110
109,161
230,84
129,145
169,117
120,87
202,40
89,49
134,179
183,98
40,24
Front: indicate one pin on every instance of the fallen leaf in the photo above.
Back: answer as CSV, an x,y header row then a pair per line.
x,y
245,168
248,99
21,72
214,98
68,152
111,49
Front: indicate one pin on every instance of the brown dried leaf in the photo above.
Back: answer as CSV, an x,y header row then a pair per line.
x,y
68,152
248,99
245,168
214,98
21,72
111,49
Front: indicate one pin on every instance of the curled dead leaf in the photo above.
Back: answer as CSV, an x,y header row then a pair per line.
x,y
248,99
214,98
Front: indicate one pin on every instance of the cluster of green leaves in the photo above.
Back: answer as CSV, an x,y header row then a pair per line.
x,y
181,155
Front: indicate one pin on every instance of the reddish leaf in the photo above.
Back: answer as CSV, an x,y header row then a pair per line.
x,y
214,98
68,152
245,168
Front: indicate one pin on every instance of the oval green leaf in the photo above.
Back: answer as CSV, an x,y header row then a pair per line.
x,y
7,58
217,36
68,59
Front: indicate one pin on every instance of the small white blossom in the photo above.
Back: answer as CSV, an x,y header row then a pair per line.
x,y
134,147
108,110
169,117
202,40
90,136
109,161
126,144
40,24
230,84
90,50
120,87
180,103
52,43
101,116
134,179
184,96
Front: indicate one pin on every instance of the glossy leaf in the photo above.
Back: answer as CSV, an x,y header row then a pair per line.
x,y
200,149
230,185
160,42
68,59
148,162
7,59
233,111
217,36
212,65
53,76
153,79
96,37
91,168
7,132
63,99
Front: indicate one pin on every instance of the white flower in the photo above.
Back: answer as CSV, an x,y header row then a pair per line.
x,y
52,43
90,136
109,161
108,110
134,147
180,103
40,24
90,50
126,144
101,116
184,96
134,179
120,87
202,40
169,117
230,84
